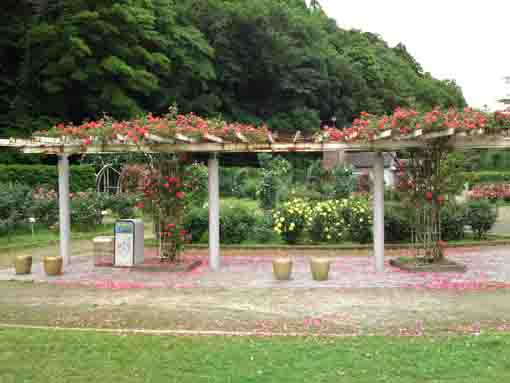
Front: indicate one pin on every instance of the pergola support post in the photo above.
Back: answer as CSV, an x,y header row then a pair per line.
x,y
378,223
64,208
214,213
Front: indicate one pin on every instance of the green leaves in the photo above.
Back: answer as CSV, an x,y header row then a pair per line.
x,y
282,62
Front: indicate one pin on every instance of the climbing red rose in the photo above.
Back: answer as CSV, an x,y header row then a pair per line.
x,y
429,195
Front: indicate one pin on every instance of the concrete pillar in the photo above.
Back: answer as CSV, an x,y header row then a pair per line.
x,y
214,213
64,208
378,227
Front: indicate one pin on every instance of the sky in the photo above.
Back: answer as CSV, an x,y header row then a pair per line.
x,y
468,41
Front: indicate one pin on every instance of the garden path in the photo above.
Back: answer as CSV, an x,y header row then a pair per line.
x,y
244,297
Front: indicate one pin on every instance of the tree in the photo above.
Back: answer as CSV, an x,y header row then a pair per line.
x,y
506,100
282,62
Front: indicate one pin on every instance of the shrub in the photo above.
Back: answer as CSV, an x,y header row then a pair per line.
x,y
291,219
121,204
287,192
327,224
237,220
197,177
481,216
397,223
344,181
453,220
267,191
275,174
196,222
357,213
86,210
15,201
45,206
82,177
491,192
488,177
249,188
263,231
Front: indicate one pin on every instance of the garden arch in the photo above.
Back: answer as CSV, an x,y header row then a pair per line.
x,y
108,180
237,141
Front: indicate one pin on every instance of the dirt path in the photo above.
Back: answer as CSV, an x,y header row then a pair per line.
x,y
381,311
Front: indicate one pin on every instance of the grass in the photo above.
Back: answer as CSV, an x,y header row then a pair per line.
x,y
43,237
48,356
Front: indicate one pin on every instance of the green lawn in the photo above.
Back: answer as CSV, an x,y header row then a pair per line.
x,y
43,237
48,356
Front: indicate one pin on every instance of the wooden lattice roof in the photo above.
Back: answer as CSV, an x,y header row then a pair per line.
x,y
46,145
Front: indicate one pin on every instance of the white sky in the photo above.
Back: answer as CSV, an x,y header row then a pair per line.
x,y
468,41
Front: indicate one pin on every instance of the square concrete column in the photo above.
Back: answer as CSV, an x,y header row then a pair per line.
x,y
378,222
64,208
214,213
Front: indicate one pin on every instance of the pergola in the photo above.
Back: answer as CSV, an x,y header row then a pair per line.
x,y
212,146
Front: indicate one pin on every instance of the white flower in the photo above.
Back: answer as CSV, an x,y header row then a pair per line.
x,y
31,220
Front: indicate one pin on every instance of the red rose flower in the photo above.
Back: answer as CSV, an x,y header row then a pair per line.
x,y
179,195
440,199
429,195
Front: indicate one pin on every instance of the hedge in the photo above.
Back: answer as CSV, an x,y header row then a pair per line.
x,y
83,177
488,177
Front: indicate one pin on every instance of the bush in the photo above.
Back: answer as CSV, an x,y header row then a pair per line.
x,y
344,181
121,204
249,188
82,177
327,223
488,177
481,216
357,213
397,223
197,176
45,207
263,231
86,210
453,220
15,201
493,192
267,192
291,219
196,222
237,220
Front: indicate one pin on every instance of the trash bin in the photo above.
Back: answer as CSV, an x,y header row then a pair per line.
x,y
103,251
129,242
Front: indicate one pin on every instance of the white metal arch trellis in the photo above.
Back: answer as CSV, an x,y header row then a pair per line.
x,y
108,180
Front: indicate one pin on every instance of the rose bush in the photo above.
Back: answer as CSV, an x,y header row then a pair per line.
x,y
492,192
327,224
291,219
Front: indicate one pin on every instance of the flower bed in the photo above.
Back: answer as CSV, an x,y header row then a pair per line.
x,y
491,192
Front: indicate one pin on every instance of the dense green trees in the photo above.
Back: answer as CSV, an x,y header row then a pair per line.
x,y
266,60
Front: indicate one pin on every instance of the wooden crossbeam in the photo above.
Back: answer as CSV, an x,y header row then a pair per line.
x,y
186,144
212,138
383,135
415,134
48,140
442,133
182,137
159,139
241,137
